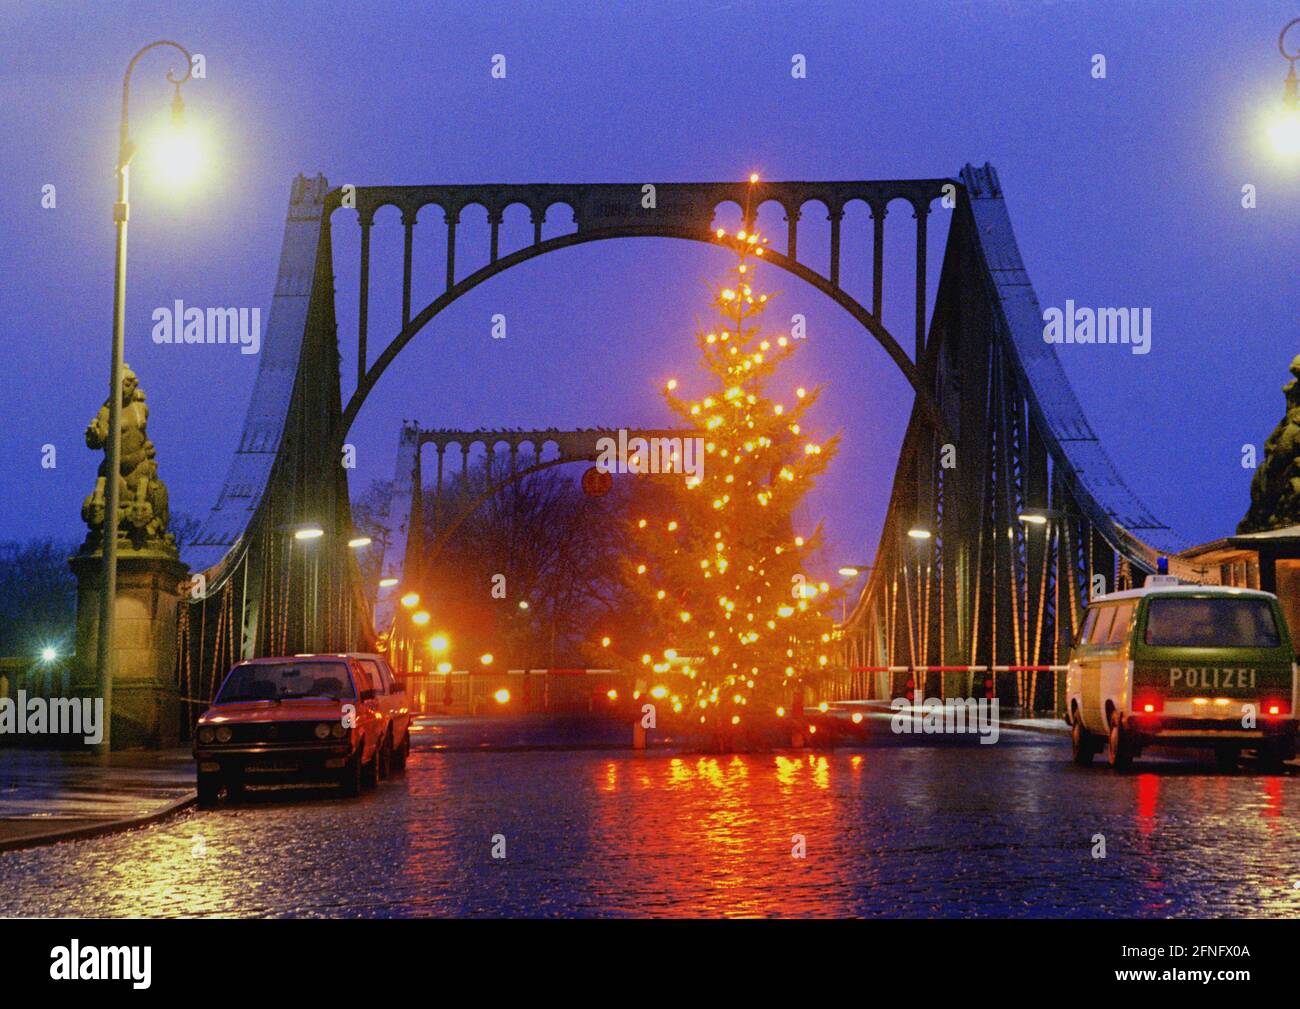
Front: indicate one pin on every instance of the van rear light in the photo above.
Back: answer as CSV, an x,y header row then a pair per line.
x,y
1148,704
1276,708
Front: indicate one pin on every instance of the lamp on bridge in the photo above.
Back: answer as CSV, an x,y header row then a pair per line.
x,y
1284,129
918,533
113,441
1039,516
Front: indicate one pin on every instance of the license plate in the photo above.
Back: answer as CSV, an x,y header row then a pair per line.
x,y
271,768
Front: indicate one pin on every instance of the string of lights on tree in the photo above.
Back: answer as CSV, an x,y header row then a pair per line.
x,y
739,625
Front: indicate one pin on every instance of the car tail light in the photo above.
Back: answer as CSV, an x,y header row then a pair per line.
x,y
1275,708
1148,704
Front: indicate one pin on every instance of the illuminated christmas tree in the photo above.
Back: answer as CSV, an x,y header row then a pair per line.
x,y
739,625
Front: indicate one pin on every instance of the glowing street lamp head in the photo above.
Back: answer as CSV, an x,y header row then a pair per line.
x,y
387,583
49,654
502,696
1284,128
919,534
439,643
486,658
411,599
421,617
357,542
1284,132
849,572
309,533
176,151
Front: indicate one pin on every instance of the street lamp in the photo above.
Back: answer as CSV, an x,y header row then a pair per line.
x,y
1284,131
121,212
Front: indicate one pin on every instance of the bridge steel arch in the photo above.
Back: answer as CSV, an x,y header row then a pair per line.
x,y
986,386
1025,513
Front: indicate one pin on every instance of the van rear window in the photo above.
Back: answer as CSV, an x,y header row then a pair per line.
x,y
1211,623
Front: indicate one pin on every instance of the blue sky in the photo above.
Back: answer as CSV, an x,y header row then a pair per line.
x,y
1124,192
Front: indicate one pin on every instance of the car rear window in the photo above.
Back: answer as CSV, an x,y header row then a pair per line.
x,y
280,681
1211,623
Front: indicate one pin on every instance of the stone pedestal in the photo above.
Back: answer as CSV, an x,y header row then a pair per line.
x,y
146,701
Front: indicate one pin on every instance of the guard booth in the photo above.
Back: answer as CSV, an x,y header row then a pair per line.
x,y
1265,560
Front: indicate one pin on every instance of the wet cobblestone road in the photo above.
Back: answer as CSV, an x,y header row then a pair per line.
x,y
893,830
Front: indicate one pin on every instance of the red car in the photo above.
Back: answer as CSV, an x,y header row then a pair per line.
x,y
301,718
391,701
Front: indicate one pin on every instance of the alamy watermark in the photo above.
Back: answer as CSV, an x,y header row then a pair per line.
x,y
1131,326
650,455
56,716
179,324
950,716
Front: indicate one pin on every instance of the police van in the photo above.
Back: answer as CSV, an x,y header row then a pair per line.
x,y
1175,664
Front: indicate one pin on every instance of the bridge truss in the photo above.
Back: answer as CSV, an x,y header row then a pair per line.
x,y
988,588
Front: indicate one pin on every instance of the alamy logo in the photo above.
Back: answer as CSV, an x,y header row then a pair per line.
x,y
1104,325
59,716
650,455
951,716
102,963
179,324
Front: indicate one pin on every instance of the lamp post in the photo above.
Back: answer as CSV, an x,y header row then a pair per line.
x,y
121,211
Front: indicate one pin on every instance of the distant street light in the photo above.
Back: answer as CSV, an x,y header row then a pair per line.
x,y
919,533
1284,131
49,654
411,599
113,443
357,542
386,583
1040,516
308,533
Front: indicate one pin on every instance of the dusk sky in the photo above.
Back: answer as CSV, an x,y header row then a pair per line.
x,y
1124,191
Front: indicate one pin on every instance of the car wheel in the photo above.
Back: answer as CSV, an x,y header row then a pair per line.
x,y
384,760
402,752
1226,757
1083,747
370,771
350,779
1271,758
1119,747
209,786
234,789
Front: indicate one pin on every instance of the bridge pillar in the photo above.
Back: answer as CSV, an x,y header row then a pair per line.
x,y
145,706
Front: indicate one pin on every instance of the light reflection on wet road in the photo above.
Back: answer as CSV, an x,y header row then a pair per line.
x,y
1005,830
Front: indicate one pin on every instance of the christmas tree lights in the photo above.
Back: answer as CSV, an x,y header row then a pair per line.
x,y
739,624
